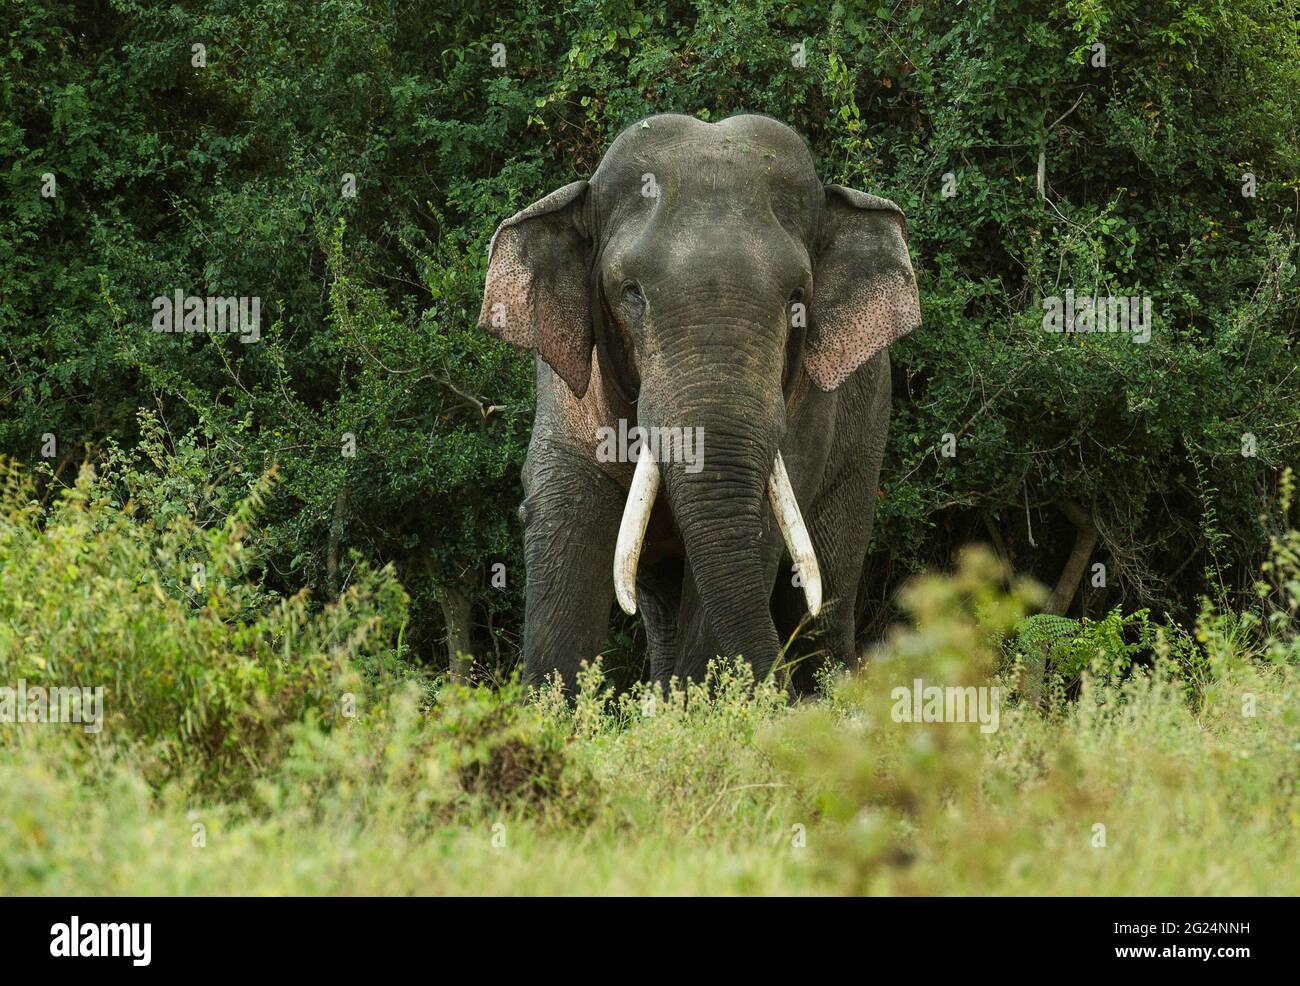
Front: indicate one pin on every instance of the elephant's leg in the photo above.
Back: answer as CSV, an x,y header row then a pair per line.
x,y
828,638
696,645
840,532
658,595
800,635
843,513
571,515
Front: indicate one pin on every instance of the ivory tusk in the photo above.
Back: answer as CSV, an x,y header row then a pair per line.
x,y
631,532
795,533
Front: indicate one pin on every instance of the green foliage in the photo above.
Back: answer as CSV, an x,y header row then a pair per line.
x,y
1066,647
273,697
1279,586
501,748
1043,635
199,666
1113,791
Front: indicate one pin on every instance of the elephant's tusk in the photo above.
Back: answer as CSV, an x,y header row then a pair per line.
x,y
636,514
795,533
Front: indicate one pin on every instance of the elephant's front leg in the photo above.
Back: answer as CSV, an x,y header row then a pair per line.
x,y
841,520
571,514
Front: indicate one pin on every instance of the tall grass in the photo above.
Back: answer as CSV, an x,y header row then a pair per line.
x,y
261,745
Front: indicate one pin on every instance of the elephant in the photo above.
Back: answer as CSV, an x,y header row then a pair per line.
x,y
703,281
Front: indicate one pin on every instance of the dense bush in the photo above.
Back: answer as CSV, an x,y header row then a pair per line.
x,y
199,666
229,179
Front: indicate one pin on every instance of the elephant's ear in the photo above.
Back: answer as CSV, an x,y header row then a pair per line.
x,y
536,295
864,291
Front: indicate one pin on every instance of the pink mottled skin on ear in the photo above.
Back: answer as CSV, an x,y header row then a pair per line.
x,y
505,296
864,293
535,294
881,310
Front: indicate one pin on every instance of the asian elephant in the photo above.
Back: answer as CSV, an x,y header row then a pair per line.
x,y
703,278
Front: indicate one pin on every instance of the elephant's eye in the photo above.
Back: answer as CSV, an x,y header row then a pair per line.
x,y
797,313
633,299
797,308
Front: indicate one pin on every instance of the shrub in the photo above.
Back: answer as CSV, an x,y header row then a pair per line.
x,y
503,749
199,665
1123,791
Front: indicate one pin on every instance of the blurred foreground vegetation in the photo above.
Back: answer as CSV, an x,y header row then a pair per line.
x,y
252,744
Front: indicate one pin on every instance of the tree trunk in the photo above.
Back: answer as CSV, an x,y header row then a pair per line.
x,y
335,538
457,613
1072,574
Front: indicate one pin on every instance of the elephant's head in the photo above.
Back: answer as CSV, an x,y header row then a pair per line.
x,y
713,274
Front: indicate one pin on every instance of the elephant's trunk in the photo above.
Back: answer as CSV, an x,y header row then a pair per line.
x,y
720,510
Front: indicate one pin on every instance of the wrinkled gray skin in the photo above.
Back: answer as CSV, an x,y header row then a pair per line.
x,y
679,310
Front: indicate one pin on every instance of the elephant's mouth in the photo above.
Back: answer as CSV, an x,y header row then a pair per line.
x,y
641,501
